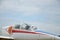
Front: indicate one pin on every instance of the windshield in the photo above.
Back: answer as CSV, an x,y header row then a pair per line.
x,y
17,26
25,27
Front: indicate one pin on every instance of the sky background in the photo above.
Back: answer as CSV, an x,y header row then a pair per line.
x,y
44,14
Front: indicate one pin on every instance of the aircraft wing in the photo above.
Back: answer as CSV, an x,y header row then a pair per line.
x,y
6,38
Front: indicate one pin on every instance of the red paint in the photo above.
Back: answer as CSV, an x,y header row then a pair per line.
x,y
23,31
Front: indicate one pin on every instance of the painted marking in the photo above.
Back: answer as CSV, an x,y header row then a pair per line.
x,y
9,29
23,31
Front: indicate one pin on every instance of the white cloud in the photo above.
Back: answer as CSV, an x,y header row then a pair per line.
x,y
28,7
27,10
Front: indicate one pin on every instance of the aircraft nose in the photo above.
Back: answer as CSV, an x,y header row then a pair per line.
x,y
9,29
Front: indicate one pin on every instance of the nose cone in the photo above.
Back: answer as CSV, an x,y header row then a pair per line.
x,y
9,29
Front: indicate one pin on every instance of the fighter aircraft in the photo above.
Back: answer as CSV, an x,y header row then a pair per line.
x,y
27,32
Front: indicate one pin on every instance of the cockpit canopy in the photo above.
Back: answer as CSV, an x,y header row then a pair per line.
x,y
25,27
17,26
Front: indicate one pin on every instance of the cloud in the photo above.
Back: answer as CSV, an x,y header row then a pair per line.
x,y
15,6
28,7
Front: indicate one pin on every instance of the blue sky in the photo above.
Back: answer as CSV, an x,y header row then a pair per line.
x,y
44,14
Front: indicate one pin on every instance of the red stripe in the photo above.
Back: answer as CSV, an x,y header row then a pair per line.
x,y
23,31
